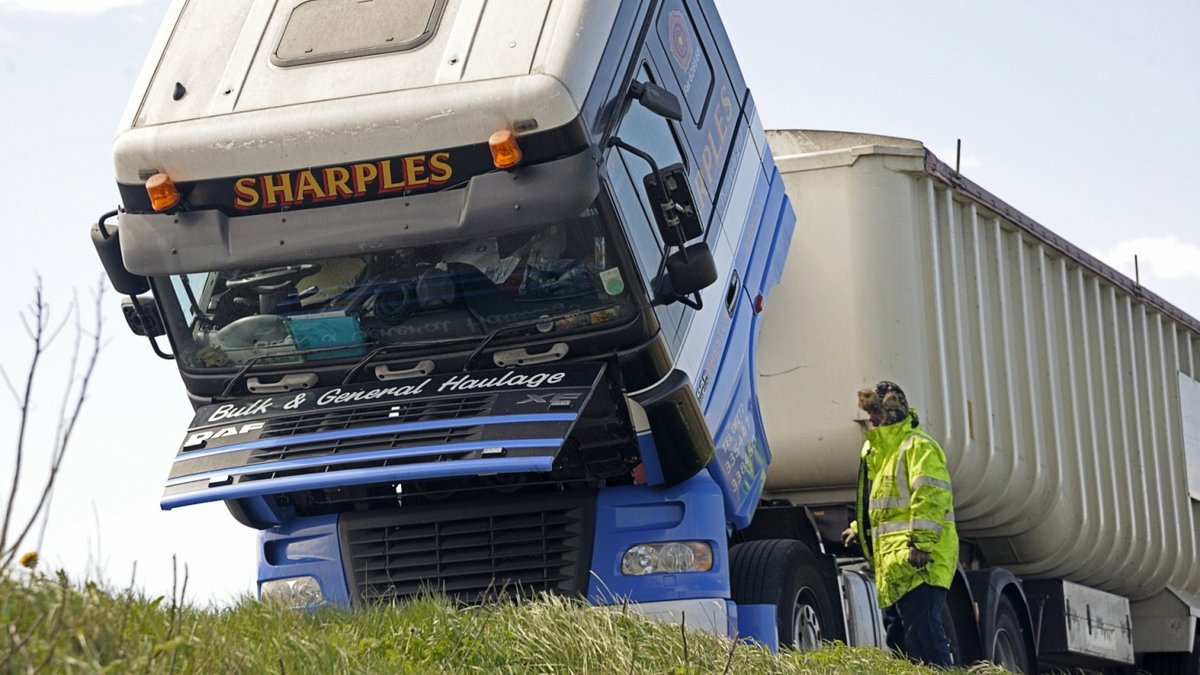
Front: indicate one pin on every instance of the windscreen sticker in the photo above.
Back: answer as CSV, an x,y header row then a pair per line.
x,y
613,283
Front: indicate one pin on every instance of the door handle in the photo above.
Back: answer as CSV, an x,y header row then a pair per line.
x,y
731,294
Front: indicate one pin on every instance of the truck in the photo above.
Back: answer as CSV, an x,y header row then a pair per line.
x,y
508,298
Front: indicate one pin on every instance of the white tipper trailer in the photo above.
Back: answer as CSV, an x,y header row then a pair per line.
x,y
495,271
1065,395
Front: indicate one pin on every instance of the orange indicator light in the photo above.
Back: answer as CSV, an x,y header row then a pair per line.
x,y
505,152
163,195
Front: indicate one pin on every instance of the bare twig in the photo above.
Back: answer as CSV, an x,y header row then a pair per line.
x,y
62,413
683,632
66,423
40,313
11,389
174,598
177,616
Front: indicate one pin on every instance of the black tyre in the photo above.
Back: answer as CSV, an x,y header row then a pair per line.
x,y
786,574
1008,645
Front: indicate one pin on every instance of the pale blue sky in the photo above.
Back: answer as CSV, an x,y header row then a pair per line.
x,y
1083,114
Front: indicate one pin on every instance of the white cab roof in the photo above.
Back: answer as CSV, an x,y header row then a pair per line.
x,y
237,87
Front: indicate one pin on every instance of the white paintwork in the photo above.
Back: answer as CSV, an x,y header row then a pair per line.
x,y
493,64
1054,392
708,614
1189,401
1166,622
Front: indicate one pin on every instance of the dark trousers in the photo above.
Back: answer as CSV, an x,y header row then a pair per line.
x,y
924,636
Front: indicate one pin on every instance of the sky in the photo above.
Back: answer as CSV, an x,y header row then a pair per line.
x,y
1080,113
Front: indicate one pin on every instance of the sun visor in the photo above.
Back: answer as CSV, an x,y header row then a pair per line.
x,y
441,426
489,204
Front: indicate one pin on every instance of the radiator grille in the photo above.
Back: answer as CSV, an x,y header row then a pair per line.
x,y
519,547
366,416
384,412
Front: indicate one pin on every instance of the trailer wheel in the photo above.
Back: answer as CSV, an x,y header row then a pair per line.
x,y
785,573
1008,645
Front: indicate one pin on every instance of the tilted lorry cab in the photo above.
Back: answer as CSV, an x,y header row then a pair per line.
x,y
463,292
491,298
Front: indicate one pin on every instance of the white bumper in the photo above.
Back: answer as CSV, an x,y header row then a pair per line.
x,y
710,615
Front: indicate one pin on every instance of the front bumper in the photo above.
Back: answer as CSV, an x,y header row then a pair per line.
x,y
711,615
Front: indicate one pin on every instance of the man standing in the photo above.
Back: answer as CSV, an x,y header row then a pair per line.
x,y
905,519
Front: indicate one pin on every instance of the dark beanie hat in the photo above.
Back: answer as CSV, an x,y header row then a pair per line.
x,y
887,398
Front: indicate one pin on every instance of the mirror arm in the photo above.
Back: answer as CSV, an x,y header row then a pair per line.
x,y
696,304
100,223
141,312
669,206
158,350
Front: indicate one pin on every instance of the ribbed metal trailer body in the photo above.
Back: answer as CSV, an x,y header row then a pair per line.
x,y
1061,391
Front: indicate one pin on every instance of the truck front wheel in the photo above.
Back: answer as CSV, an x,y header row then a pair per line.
x,y
786,574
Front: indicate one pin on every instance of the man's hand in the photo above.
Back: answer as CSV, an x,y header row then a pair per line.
x,y
849,537
917,557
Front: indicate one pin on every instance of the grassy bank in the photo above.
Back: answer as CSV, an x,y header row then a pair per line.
x,y
56,626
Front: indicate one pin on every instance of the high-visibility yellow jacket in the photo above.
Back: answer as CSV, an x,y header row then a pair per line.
x,y
909,500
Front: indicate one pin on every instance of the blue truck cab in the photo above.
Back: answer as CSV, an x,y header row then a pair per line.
x,y
465,295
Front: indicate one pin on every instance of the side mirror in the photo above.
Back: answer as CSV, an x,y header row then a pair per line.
x,y
143,318
675,208
689,271
107,240
657,100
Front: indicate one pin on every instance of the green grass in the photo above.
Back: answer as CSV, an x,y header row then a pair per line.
x,y
53,625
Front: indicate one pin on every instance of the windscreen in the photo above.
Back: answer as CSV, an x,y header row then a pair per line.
x,y
343,307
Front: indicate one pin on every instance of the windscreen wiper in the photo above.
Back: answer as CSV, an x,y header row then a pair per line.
x,y
552,319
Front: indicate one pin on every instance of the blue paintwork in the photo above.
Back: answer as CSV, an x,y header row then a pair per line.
x,y
373,455
649,453
757,623
384,474
378,430
308,547
626,516
731,395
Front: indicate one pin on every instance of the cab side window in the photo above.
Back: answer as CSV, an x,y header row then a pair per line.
x,y
654,135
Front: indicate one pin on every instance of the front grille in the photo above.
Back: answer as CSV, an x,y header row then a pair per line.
x,y
364,417
471,551
385,412
364,444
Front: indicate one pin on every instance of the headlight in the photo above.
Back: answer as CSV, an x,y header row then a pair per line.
x,y
294,592
667,558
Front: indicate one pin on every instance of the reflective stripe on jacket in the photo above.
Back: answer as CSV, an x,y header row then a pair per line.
x,y
910,500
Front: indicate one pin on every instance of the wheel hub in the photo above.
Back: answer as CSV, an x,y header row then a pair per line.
x,y
806,623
